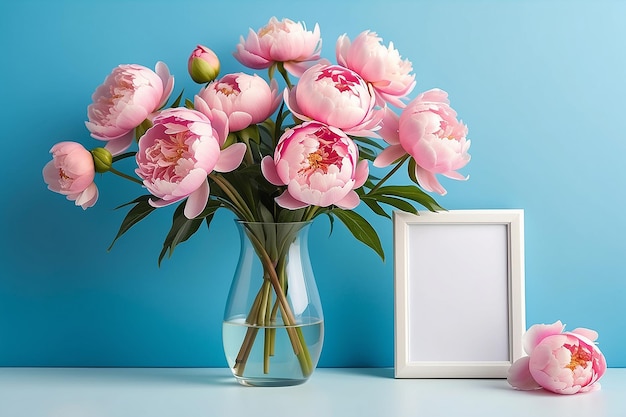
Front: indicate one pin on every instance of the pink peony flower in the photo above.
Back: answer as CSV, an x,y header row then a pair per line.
x,y
336,96
381,66
428,130
71,173
203,65
128,96
285,41
178,152
245,99
320,166
561,362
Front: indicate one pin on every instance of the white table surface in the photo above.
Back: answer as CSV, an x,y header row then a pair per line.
x,y
363,392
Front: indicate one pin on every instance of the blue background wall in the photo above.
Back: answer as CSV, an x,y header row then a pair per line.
x,y
540,84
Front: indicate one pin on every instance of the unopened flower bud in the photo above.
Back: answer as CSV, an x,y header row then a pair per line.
x,y
203,65
102,159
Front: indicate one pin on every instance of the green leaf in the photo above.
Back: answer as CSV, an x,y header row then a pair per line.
x,y
360,229
181,230
368,141
210,209
176,102
250,133
409,192
189,104
331,219
395,202
209,212
412,167
135,215
367,153
142,128
375,207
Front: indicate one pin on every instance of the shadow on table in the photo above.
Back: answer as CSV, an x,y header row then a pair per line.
x,y
372,372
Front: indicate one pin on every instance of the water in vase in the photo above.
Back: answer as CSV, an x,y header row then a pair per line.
x,y
271,359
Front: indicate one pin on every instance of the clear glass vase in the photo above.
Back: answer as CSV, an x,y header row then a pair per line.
x,y
273,327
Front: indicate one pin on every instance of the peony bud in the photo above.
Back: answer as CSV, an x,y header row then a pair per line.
x,y
102,159
203,65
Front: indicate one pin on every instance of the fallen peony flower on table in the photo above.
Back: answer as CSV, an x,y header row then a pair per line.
x,y
558,361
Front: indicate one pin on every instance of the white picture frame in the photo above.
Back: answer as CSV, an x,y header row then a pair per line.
x,y
458,293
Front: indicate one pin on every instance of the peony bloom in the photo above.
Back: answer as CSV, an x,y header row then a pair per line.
x,y
245,99
381,66
178,152
336,96
561,362
429,132
285,41
128,96
203,65
71,173
319,165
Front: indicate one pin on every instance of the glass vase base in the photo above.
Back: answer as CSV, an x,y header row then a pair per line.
x,y
269,382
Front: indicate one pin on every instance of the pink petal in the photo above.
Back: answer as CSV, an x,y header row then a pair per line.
x,y
219,121
435,95
132,115
297,68
350,201
168,82
162,203
201,105
51,176
119,145
455,175
393,99
197,201
239,120
591,387
538,332
230,158
389,155
289,96
286,200
194,179
268,168
428,181
519,376
361,174
389,127
592,335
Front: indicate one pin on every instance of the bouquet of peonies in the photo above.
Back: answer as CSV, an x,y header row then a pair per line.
x,y
266,154
277,157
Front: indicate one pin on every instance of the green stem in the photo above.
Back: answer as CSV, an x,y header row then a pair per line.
x,y
310,213
128,177
295,334
244,137
248,155
242,208
259,312
278,125
283,72
390,173
123,156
